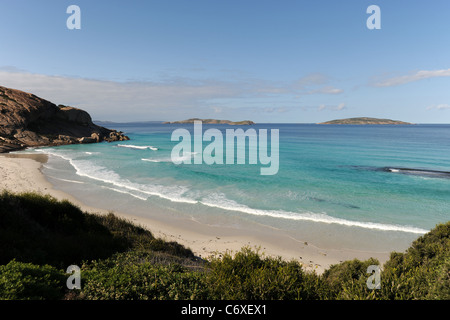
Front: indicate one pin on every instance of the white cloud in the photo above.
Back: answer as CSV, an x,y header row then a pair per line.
x,y
128,101
419,75
316,78
439,107
326,90
314,83
339,107
172,99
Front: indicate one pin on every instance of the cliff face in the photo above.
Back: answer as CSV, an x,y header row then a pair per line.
x,y
29,121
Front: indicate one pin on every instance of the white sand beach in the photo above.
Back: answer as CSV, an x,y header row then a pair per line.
x,y
21,173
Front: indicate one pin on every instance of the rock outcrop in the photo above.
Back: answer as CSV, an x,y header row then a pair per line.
x,y
29,121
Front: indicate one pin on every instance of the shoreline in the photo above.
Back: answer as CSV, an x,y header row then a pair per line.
x,y
22,173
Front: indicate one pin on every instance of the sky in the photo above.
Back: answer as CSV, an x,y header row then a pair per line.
x,y
270,61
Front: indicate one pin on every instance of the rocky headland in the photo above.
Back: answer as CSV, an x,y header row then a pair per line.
x,y
29,121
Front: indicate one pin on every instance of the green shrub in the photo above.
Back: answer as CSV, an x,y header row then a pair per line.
x,y
40,229
120,260
139,238
422,272
132,275
27,281
249,276
347,280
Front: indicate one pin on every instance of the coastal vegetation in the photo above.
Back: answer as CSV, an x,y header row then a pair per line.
x,y
41,236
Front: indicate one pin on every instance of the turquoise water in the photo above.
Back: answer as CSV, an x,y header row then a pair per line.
x,y
335,175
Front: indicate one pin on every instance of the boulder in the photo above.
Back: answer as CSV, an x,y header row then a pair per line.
x,y
96,137
87,140
117,136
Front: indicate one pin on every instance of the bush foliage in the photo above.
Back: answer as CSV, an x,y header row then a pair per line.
x,y
40,236
42,230
249,276
27,281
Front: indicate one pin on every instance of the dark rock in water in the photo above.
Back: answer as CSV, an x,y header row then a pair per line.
x,y
29,121
418,172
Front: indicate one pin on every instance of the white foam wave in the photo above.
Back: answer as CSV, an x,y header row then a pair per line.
x,y
177,194
67,180
54,153
220,201
153,160
172,193
86,168
123,191
185,156
137,147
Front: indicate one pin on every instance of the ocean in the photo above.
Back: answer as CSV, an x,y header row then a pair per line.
x,y
346,186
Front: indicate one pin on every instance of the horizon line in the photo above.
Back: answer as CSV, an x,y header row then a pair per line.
x,y
161,121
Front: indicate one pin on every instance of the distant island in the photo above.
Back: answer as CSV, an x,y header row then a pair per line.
x,y
364,120
212,121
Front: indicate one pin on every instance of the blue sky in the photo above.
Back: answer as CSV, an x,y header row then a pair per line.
x,y
268,61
